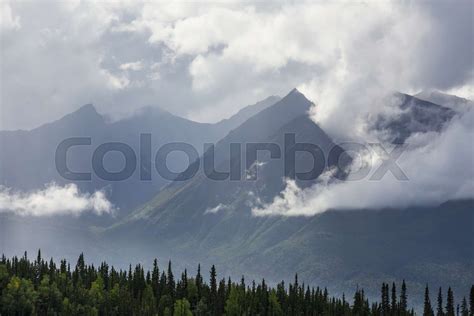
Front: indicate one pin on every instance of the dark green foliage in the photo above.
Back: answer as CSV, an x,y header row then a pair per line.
x,y
385,300
213,291
403,299
440,311
427,309
42,288
450,303
471,302
464,308
394,303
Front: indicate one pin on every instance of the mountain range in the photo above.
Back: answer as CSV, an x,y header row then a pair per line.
x,y
211,221
27,161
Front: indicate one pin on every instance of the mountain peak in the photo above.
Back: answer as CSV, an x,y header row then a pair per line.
x,y
86,109
85,115
294,91
295,96
86,112
418,116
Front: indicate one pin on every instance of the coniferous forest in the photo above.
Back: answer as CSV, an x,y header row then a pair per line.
x,y
41,287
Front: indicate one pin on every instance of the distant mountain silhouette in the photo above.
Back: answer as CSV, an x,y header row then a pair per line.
x,y
27,158
183,201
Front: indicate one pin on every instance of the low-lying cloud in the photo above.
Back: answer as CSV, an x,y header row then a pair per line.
x,y
54,200
439,167
376,58
216,209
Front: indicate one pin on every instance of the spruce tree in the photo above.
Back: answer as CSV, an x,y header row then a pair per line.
x,y
394,299
385,300
471,302
439,311
199,282
359,302
403,299
450,303
155,279
213,290
427,310
80,267
38,257
221,297
464,308
184,283
163,288
171,283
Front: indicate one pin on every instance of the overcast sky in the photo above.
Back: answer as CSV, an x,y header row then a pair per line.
x,y
205,60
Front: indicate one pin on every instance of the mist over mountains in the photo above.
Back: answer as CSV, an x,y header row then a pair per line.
x,y
28,157
267,217
324,138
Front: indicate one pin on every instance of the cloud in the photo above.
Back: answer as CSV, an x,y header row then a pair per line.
x,y
205,60
317,46
8,21
217,208
439,167
217,57
373,59
134,66
54,200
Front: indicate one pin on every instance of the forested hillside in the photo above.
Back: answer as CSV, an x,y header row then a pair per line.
x,y
40,287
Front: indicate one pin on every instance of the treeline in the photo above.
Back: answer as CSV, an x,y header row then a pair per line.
x,y
40,287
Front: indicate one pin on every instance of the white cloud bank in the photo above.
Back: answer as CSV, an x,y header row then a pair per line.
x,y
383,47
8,21
204,60
54,200
439,167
